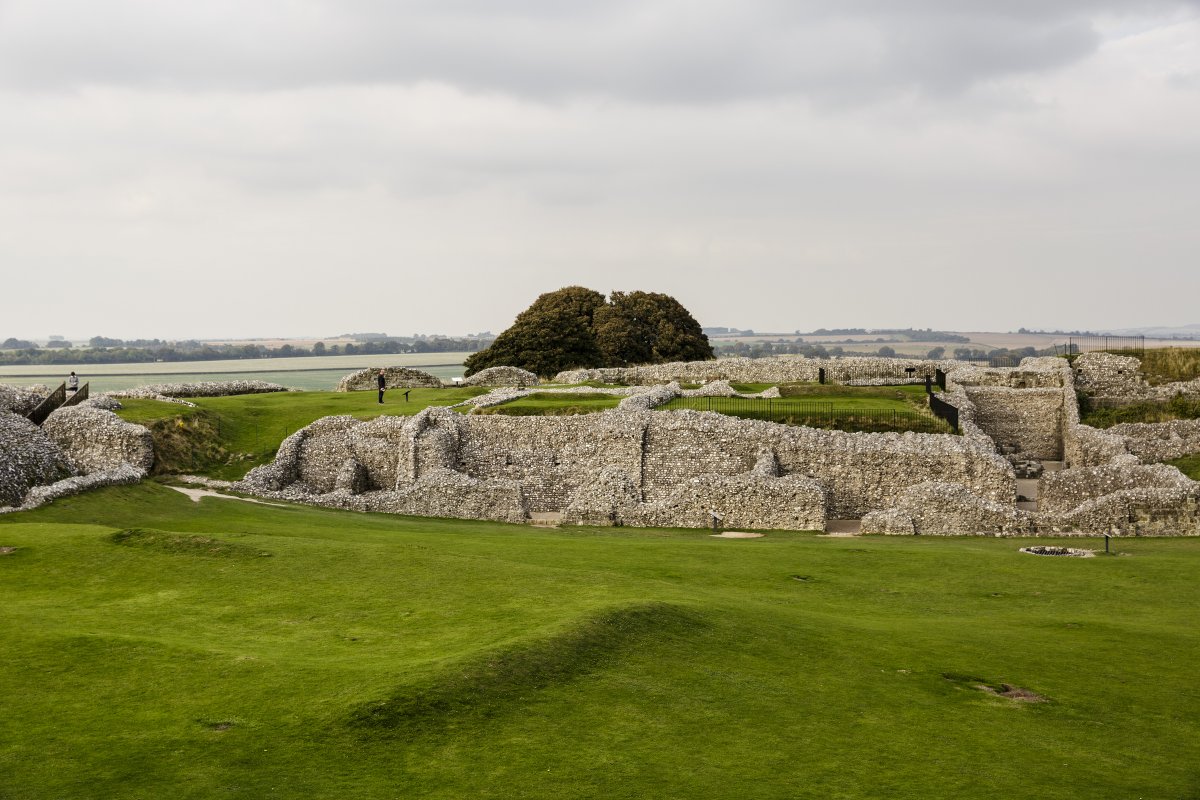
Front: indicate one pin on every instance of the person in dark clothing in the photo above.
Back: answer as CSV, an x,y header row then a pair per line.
x,y
382,385
73,383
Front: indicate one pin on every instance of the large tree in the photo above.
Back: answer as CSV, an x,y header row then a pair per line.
x,y
575,327
648,328
553,334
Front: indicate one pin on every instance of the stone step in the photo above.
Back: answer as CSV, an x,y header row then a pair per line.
x,y
545,519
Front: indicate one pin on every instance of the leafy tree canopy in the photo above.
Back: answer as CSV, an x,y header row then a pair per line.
x,y
576,327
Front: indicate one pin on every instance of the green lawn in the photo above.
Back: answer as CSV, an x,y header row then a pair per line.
x,y
554,404
848,408
226,436
230,649
1189,465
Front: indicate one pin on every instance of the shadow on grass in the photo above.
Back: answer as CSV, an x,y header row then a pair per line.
x,y
490,685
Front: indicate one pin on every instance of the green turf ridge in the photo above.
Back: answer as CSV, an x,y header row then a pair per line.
x,y
224,437
1189,465
555,404
579,662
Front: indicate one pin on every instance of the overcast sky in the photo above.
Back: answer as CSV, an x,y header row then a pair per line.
x,y
219,168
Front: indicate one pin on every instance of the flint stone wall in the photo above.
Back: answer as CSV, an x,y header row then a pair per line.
x,y
947,509
94,440
1112,380
1027,422
21,399
1132,512
28,458
502,376
157,391
1060,492
366,380
1160,441
777,369
678,463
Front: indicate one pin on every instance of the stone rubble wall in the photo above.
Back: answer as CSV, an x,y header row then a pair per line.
x,y
28,458
501,376
776,369
1112,380
1025,422
21,399
94,440
937,508
679,463
120,475
366,380
1154,442
1131,512
1061,492
157,391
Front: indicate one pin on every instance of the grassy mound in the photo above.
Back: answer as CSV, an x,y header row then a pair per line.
x,y
1178,407
185,544
1170,364
224,437
501,680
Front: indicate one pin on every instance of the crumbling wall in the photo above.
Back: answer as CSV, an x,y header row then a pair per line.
x,y
28,458
366,380
1060,492
93,439
1160,441
1026,422
502,376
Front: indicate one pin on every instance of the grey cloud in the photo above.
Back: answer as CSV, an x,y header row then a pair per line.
x,y
655,50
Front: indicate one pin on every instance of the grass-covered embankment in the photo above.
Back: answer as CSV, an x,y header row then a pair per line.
x,y
224,437
552,404
1178,407
233,649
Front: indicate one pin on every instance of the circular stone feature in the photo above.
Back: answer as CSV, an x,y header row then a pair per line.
x,y
737,535
1048,550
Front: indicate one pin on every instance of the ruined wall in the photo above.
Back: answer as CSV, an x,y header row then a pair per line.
x,y
28,458
1112,380
1027,422
947,509
365,380
502,376
1060,492
676,462
777,369
95,440
1160,441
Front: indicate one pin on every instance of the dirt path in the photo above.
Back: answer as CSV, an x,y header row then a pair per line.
x,y
196,494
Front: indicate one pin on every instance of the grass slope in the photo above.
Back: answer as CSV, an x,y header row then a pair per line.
x,y
540,404
372,656
225,436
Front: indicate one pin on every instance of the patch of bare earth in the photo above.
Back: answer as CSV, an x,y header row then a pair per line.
x,y
7,551
1014,693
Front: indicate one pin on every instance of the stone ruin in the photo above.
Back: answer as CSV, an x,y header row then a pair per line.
x,y
1022,465
637,466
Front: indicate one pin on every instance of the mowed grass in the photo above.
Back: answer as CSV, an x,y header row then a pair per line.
x,y
1188,465
225,437
555,404
230,649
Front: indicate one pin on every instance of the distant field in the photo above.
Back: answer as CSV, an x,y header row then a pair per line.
x,y
312,373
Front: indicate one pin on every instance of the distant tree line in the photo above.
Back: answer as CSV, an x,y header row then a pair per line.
x,y
104,350
909,334
766,349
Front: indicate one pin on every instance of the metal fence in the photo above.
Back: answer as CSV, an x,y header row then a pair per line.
x,y
944,410
1132,345
788,411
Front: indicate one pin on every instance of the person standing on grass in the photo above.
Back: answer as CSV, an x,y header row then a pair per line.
x,y
73,382
382,385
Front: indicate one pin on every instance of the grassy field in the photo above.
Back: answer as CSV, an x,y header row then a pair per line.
x,y
225,436
1171,364
1178,407
311,373
848,408
539,404
1189,465
155,647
